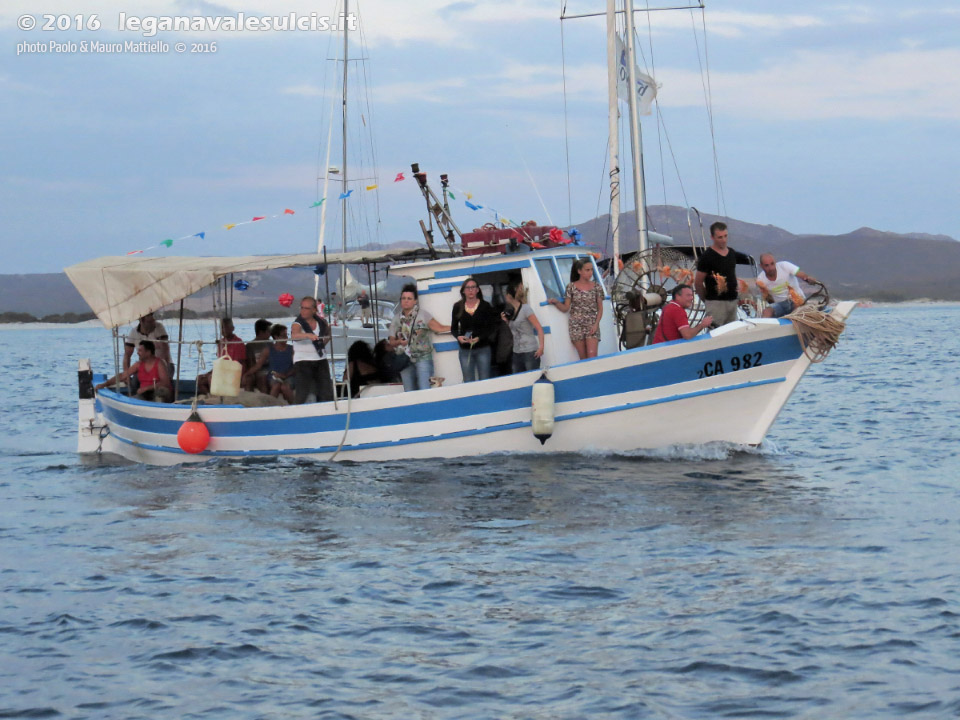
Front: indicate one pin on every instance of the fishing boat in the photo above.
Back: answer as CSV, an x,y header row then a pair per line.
x,y
727,385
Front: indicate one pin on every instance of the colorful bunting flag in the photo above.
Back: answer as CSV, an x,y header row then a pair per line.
x,y
451,192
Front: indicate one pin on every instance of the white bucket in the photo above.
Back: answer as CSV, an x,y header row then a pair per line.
x,y
226,377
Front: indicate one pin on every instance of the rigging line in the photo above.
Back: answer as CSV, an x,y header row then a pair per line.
x,y
673,156
566,127
713,137
529,174
323,94
660,121
367,77
604,178
706,100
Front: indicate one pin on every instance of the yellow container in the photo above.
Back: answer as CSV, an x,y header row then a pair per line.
x,y
226,377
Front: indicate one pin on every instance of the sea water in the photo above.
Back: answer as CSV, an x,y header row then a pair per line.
x,y
816,576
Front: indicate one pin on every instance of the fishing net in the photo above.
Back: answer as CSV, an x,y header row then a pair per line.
x,y
818,331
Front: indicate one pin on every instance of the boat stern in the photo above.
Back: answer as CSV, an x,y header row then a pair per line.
x,y
90,424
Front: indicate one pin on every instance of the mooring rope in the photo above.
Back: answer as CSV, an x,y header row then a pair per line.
x,y
818,331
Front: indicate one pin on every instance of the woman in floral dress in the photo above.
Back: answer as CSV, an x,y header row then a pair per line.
x,y
584,301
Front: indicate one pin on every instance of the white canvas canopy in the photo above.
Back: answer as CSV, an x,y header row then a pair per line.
x,y
122,289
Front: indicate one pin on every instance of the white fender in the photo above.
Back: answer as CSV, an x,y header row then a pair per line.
x,y
541,403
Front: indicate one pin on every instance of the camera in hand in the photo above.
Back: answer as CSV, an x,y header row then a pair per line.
x,y
509,313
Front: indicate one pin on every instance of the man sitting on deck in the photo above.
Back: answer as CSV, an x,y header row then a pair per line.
x,y
258,380
152,373
778,283
147,329
674,324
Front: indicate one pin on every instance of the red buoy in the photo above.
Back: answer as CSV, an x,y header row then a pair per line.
x,y
193,436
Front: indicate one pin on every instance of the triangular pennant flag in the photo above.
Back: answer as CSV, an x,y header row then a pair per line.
x,y
168,242
258,218
288,211
318,203
399,178
134,252
371,187
201,235
469,196
451,195
471,205
344,196
229,227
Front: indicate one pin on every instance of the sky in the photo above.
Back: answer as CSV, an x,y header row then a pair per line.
x,y
825,117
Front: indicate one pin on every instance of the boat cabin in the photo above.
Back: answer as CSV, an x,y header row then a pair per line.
x,y
545,275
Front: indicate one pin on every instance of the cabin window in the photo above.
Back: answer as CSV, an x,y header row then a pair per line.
x,y
564,266
548,276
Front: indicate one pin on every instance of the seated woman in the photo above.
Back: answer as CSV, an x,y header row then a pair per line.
x,y
361,367
385,358
278,357
152,373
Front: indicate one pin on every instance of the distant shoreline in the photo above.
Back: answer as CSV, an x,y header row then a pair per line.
x,y
94,323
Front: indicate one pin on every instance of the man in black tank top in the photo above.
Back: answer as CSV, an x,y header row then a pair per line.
x,y
716,277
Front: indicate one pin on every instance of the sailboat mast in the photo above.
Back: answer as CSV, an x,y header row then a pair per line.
x,y
346,12
613,63
636,140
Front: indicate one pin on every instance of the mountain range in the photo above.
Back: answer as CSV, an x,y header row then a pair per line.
x,y
865,263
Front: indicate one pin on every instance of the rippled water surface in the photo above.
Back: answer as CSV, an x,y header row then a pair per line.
x,y
815,577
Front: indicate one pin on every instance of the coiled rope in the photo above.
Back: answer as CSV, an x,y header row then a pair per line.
x,y
819,332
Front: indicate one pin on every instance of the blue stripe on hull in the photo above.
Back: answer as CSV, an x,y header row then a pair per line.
x,y
641,376
451,435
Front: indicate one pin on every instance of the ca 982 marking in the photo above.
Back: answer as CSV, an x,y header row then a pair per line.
x,y
733,364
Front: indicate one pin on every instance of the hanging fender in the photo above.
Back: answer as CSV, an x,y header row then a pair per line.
x,y
541,404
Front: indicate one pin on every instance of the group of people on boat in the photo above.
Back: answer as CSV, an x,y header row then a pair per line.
x,y
509,339
715,282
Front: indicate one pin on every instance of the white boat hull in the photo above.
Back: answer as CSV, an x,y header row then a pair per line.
x,y
726,387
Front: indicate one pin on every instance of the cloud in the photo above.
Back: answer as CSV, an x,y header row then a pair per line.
x,y
734,23
907,83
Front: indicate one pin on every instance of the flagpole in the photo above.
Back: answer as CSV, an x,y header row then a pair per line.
x,y
323,199
346,35
613,63
636,139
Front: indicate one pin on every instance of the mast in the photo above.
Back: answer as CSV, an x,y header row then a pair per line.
x,y
323,208
346,12
636,140
614,111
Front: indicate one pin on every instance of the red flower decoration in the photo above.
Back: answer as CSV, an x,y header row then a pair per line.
x,y
286,299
